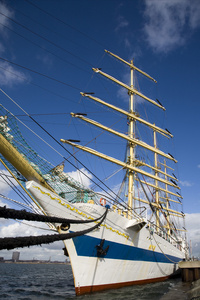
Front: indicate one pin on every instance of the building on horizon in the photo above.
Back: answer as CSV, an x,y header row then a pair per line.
x,y
15,256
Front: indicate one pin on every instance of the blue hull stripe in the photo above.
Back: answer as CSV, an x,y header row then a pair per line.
x,y
86,246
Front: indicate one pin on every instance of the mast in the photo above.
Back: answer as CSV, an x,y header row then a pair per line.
x,y
156,183
132,165
131,158
167,200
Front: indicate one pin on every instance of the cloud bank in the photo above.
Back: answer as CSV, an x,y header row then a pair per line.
x,y
193,225
169,23
80,177
44,252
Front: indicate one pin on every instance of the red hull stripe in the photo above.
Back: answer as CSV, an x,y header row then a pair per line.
x,y
96,288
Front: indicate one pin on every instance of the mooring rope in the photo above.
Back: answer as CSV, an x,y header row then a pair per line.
x,y
175,262
8,213
27,241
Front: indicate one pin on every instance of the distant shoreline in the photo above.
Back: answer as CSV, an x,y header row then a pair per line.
x,y
35,262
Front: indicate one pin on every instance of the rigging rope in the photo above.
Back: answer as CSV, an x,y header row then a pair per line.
x,y
38,73
14,188
38,227
17,202
11,243
45,39
150,203
127,207
67,24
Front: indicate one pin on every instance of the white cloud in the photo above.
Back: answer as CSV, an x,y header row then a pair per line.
x,y
186,183
2,203
122,93
45,59
194,14
167,22
9,76
122,23
127,43
122,29
80,177
193,227
2,48
4,22
14,229
20,229
4,187
3,19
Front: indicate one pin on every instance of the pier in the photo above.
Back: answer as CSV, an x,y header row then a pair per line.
x,y
190,270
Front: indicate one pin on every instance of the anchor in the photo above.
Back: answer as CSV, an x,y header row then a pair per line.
x,y
100,251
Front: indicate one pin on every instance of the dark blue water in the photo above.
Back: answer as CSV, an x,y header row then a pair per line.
x,y
52,281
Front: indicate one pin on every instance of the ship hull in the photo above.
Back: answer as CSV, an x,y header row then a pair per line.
x,y
131,252
95,274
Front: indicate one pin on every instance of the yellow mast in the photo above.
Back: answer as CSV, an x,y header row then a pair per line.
x,y
132,163
167,199
156,184
131,157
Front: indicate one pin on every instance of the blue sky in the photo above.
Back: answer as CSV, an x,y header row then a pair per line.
x,y
57,43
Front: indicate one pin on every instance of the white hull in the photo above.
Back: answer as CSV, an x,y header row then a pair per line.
x,y
134,256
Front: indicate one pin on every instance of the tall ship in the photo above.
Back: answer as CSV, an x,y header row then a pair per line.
x,y
141,236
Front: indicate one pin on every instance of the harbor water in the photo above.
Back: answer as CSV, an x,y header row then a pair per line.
x,y
55,281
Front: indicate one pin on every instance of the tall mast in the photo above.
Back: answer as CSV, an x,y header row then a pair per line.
x,y
156,182
132,165
131,145
167,200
